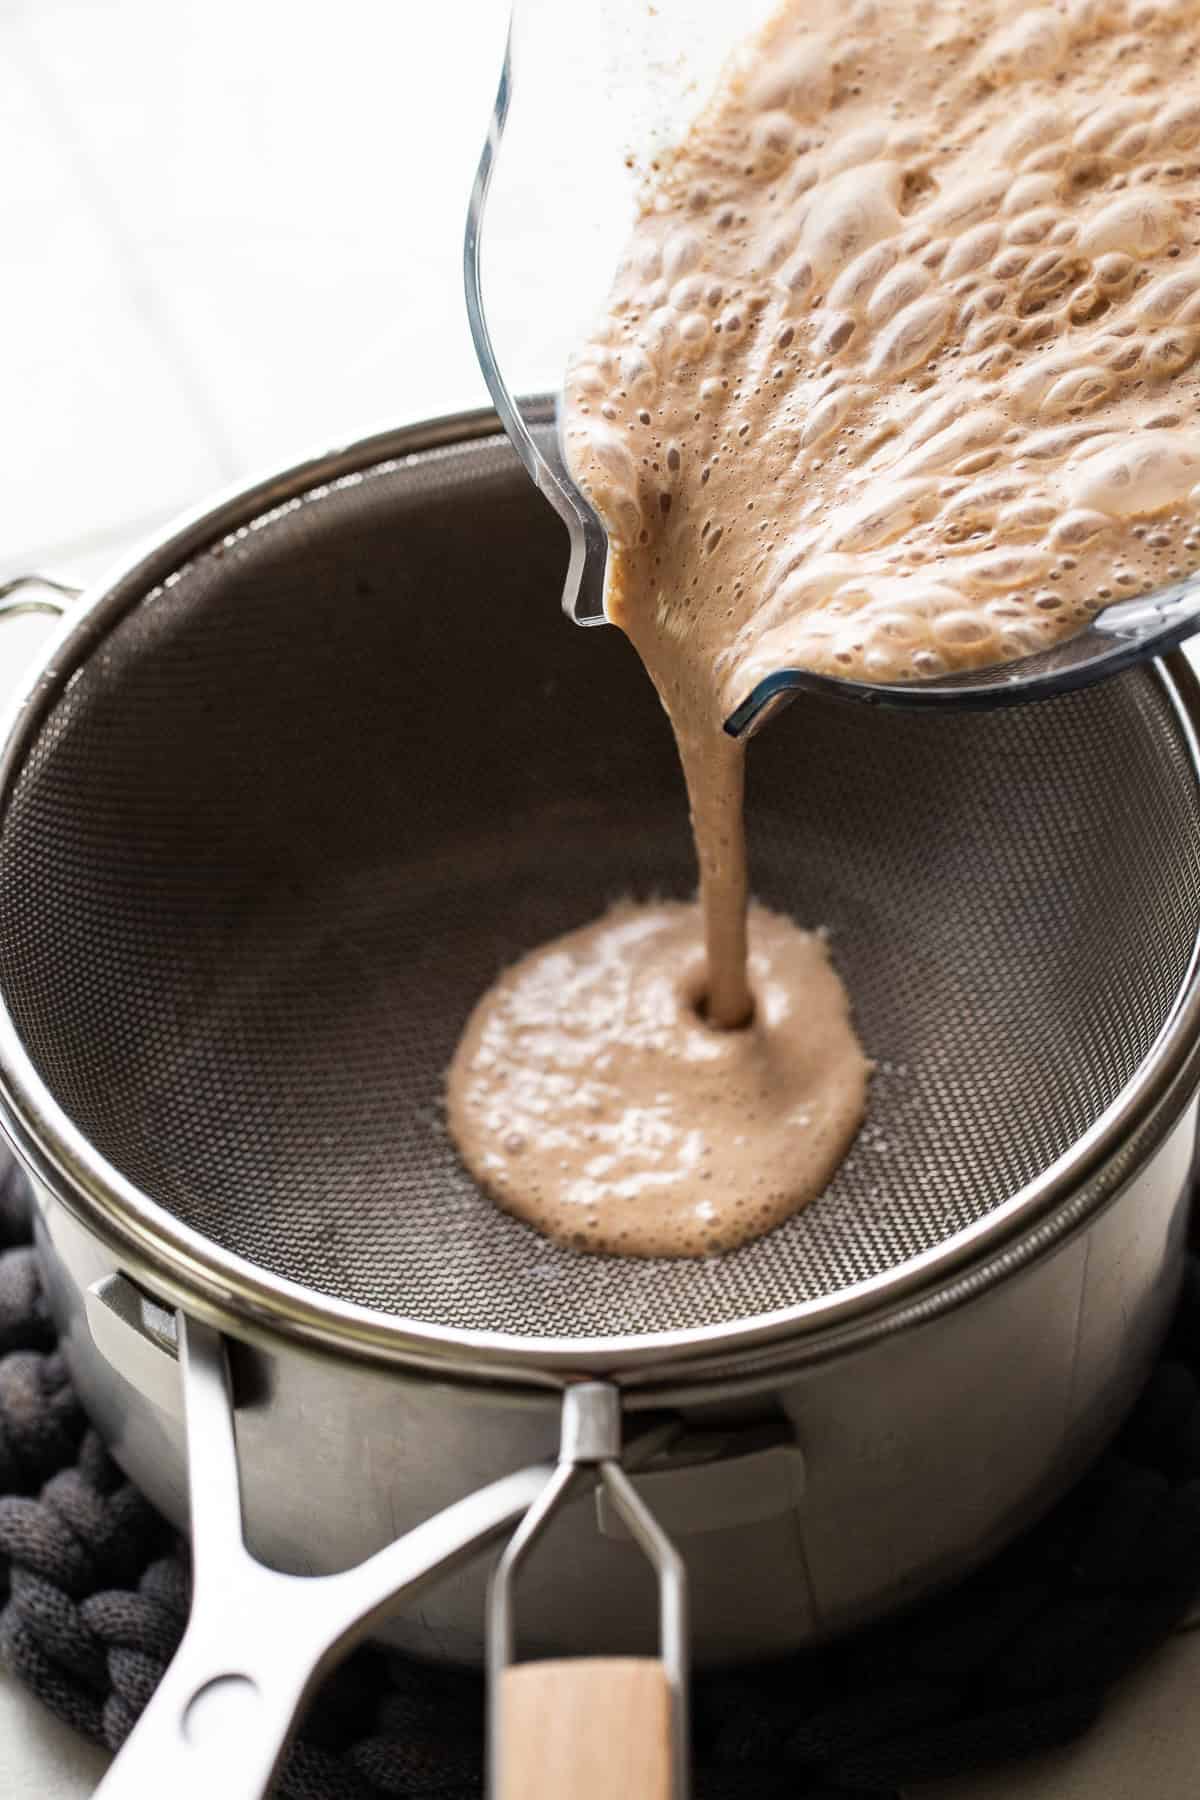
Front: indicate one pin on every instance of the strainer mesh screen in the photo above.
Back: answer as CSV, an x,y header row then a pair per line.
x,y
306,798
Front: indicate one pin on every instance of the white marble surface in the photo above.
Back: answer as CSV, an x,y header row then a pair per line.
x,y
236,233
232,235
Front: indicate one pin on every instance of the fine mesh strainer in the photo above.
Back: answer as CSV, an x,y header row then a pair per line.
x,y
280,807
276,835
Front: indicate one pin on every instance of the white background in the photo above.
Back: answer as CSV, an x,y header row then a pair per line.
x,y
232,235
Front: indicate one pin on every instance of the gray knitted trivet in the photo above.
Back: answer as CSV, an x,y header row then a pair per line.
x,y
95,1592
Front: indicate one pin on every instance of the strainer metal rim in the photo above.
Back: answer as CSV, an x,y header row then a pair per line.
x,y
227,1288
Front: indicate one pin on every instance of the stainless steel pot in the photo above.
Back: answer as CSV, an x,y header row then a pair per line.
x,y
825,1426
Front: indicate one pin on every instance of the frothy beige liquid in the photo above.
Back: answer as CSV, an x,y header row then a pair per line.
x,y
590,1097
896,379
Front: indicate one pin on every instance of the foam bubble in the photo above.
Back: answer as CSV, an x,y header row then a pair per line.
x,y
1032,44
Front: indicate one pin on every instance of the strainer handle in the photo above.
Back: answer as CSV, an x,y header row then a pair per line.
x,y
258,1640
21,594
590,1727
568,1724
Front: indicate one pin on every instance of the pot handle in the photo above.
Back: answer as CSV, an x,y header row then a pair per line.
x,y
257,1640
48,596
590,1727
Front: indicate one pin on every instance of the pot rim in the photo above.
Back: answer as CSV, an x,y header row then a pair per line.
x,y
230,1291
